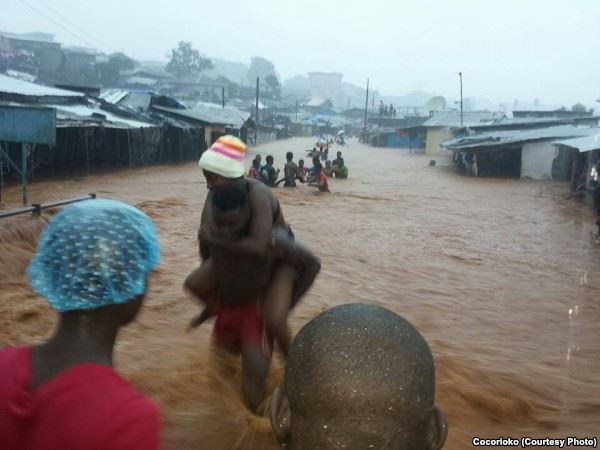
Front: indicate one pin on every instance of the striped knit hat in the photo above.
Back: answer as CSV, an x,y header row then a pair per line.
x,y
225,157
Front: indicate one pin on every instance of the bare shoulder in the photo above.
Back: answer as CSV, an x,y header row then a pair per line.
x,y
259,191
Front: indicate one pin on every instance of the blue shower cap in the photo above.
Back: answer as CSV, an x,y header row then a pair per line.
x,y
93,254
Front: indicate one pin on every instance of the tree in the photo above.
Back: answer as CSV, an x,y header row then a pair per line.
x,y
109,71
272,87
578,107
260,67
185,60
232,89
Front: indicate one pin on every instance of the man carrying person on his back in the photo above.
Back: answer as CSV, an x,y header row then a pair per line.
x,y
235,289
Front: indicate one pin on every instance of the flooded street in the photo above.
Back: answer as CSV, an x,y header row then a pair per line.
x,y
500,276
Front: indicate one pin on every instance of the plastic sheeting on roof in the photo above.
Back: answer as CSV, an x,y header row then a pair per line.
x,y
582,144
11,85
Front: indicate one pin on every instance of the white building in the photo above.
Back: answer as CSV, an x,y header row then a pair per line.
x,y
326,85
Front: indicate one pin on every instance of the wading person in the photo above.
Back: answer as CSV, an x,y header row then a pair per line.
x,y
92,263
358,377
290,171
268,173
222,164
339,167
234,289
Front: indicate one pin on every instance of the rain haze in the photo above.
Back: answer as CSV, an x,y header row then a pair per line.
x,y
506,50
436,162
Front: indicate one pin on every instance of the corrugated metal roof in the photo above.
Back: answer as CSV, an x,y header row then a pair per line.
x,y
113,96
211,115
582,144
11,85
33,37
500,138
86,113
451,119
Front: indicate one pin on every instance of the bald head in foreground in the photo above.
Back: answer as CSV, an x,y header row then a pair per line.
x,y
358,377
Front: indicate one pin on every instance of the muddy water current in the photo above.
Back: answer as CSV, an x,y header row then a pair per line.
x,y
501,277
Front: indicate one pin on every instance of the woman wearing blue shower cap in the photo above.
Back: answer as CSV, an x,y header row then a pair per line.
x,y
91,265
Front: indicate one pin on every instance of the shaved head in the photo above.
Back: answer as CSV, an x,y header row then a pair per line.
x,y
360,376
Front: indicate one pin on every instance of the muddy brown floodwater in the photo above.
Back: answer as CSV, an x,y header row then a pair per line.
x,y
500,276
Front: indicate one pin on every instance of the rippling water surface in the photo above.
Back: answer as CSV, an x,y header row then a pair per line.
x,y
501,277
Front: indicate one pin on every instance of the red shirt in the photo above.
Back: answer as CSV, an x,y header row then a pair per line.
x,y
323,184
85,407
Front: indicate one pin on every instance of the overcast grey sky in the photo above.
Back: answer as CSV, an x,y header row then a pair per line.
x,y
506,49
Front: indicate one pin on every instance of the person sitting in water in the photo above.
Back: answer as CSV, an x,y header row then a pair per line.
x,y
236,291
358,376
268,173
254,169
91,265
290,170
339,168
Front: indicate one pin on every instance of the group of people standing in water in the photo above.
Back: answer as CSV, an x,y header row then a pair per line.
x,y
316,176
356,376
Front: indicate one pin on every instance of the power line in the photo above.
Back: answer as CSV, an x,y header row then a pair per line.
x,y
56,23
80,29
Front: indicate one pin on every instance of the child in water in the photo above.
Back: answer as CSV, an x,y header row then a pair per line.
x,y
235,289
255,168
319,179
301,172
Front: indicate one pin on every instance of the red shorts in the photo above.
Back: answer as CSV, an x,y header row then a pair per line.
x,y
238,325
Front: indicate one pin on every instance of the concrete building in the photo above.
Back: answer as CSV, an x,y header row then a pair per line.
x,y
326,85
42,45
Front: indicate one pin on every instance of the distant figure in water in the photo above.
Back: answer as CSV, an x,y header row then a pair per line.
x,y
235,290
253,172
301,172
91,265
339,167
290,170
319,179
328,170
359,377
268,173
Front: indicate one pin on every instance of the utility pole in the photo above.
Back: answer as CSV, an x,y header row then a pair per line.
x,y
223,95
296,110
461,100
366,109
256,124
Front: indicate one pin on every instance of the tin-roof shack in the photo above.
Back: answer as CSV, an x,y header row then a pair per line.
x,y
520,153
94,134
